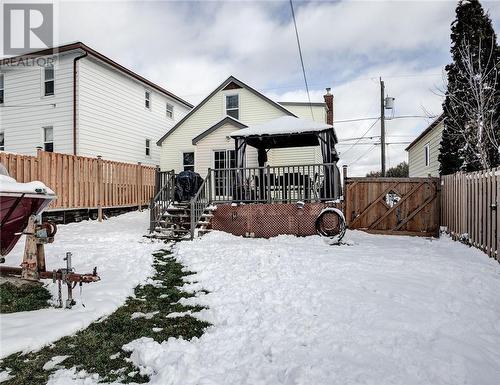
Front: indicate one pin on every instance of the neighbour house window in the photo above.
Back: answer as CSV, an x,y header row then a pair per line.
x,y
188,161
148,147
427,154
1,88
48,139
2,141
48,80
170,111
233,106
147,99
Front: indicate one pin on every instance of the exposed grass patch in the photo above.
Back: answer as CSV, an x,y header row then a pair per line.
x,y
25,297
91,349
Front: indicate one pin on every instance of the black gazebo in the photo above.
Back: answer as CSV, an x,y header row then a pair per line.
x,y
286,132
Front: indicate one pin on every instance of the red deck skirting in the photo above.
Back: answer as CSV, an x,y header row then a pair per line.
x,y
264,220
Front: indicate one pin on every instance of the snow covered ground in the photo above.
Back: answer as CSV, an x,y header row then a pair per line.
x,y
383,310
123,259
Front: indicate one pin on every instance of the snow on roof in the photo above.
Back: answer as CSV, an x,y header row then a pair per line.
x,y
283,125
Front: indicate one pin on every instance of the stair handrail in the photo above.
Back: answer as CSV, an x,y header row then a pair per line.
x,y
197,204
158,204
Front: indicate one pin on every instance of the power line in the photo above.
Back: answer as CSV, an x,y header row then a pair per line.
x,y
362,155
301,58
362,136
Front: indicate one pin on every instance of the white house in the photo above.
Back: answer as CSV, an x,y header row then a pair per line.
x,y
74,100
423,152
201,140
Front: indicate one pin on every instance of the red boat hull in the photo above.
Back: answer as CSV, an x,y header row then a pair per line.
x,y
15,210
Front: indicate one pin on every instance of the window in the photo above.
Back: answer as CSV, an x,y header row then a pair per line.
x,y
427,154
48,80
2,141
48,139
148,147
1,88
147,99
188,161
233,106
170,111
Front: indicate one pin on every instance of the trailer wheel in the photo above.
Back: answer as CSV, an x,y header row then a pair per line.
x,y
51,228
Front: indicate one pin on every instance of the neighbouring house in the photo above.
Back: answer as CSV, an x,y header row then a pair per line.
x,y
72,99
424,150
201,140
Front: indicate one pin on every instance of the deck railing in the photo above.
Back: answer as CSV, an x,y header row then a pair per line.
x,y
312,182
200,202
163,198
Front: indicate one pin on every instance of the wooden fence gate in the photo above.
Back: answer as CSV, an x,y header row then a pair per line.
x,y
405,206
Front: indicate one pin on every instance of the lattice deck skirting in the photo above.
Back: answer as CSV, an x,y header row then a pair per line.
x,y
263,220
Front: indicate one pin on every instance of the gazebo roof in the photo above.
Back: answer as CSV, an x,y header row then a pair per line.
x,y
286,131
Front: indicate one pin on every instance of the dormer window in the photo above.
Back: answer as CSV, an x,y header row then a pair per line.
x,y
233,106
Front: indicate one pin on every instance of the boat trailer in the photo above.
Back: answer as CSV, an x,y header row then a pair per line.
x,y
33,267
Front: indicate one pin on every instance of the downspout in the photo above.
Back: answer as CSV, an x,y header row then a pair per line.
x,y
74,99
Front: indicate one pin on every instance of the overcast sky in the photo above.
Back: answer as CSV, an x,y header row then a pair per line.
x,y
190,47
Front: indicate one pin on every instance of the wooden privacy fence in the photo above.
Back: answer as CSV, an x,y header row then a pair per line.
x,y
82,182
470,208
406,206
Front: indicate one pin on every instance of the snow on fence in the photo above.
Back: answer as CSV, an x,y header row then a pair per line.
x,y
82,182
469,208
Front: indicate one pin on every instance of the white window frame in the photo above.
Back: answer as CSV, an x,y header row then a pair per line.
x,y
147,99
2,146
427,154
45,80
44,138
147,145
232,109
2,88
169,112
188,165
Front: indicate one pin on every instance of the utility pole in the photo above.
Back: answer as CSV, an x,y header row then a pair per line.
x,y
382,125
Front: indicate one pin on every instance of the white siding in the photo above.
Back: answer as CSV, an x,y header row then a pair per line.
x,y
25,110
112,118
416,154
253,110
217,140
300,155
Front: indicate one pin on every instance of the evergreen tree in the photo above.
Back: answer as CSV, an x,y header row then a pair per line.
x,y
472,134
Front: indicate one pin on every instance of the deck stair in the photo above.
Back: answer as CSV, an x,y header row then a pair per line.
x,y
175,222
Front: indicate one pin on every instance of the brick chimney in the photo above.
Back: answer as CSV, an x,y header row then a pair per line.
x,y
329,106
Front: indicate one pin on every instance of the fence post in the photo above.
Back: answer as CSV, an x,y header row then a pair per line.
x,y
100,180
157,179
39,168
139,185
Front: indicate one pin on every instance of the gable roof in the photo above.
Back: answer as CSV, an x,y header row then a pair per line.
x,y
226,120
230,79
101,57
434,124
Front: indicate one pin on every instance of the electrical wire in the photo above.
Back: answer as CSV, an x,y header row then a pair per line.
x,y
301,58
362,155
362,136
